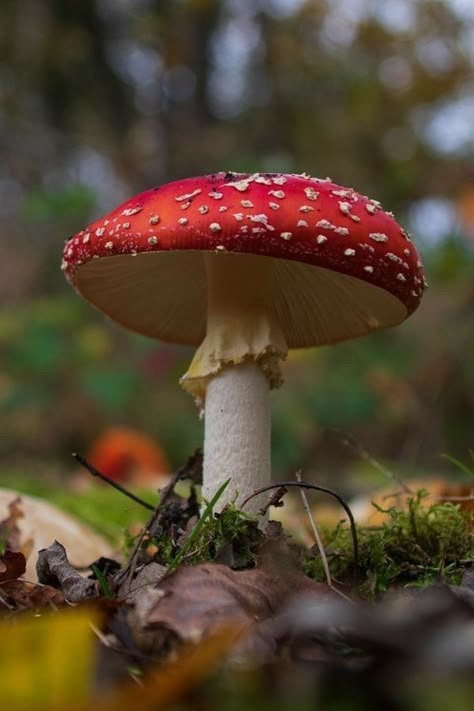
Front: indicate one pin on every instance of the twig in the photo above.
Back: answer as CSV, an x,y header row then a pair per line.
x,y
316,487
95,472
165,493
275,500
129,569
312,522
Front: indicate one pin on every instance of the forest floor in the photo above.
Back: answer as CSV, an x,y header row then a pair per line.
x,y
204,610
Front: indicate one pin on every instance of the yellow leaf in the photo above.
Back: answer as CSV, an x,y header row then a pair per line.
x,y
46,661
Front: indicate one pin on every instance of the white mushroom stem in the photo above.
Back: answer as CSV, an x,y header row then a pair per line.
x,y
233,371
237,433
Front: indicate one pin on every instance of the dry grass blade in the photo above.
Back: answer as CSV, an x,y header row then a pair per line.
x,y
314,528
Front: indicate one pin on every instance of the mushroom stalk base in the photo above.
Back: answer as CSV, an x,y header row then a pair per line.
x,y
237,434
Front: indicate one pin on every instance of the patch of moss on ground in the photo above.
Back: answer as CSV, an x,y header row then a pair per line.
x,y
230,537
417,546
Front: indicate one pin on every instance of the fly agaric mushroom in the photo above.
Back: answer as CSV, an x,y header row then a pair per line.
x,y
246,266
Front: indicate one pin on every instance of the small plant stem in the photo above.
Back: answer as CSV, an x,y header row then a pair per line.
x,y
364,454
103,583
95,472
314,528
460,465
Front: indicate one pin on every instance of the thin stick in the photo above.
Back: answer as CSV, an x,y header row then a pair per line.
x,y
95,472
312,522
316,487
129,570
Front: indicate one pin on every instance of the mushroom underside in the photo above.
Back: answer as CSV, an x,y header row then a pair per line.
x,y
164,295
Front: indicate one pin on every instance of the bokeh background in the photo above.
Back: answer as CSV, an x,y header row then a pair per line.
x,y
100,99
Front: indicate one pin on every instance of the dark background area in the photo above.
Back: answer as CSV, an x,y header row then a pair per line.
x,y
100,99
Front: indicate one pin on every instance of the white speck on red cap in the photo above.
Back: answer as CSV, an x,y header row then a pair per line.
x,y
311,193
129,211
188,196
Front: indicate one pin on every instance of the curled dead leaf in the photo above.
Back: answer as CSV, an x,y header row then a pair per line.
x,y
54,569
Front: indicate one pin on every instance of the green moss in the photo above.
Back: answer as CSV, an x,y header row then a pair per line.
x,y
232,533
417,546
230,536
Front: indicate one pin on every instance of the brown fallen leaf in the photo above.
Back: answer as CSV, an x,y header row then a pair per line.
x,y
195,601
10,529
12,566
53,568
20,595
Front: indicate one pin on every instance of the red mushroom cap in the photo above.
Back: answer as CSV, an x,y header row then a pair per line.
x,y
343,266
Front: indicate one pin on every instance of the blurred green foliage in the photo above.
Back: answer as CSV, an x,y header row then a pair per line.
x,y
101,99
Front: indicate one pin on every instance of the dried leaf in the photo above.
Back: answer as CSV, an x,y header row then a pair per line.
x,y
26,596
195,601
54,569
12,566
10,532
192,469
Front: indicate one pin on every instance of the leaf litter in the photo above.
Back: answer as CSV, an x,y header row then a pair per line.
x,y
193,586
